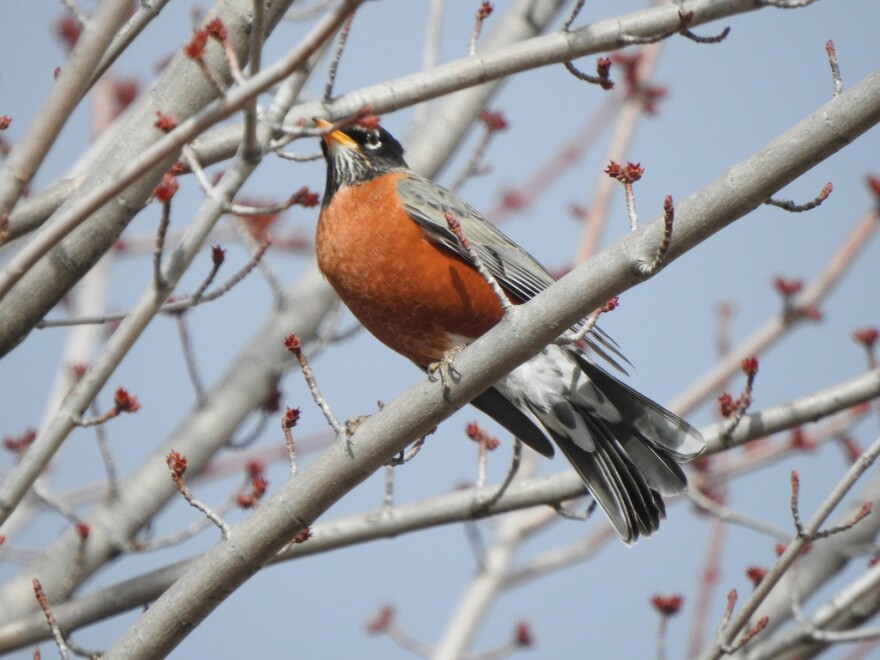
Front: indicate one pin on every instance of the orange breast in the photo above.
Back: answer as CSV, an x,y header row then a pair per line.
x,y
415,297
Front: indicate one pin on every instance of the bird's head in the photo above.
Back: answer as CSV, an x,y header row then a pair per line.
x,y
357,154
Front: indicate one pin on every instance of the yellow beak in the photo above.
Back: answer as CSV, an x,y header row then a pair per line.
x,y
335,136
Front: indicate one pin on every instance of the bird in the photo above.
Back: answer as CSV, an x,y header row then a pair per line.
x,y
384,244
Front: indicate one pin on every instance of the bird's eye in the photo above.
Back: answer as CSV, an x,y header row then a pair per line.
x,y
373,141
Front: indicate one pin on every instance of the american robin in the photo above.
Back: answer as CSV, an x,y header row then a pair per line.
x,y
385,246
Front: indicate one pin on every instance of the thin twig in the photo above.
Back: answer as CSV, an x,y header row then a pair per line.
x,y
50,620
661,637
337,56
515,461
573,15
728,515
159,280
455,227
266,269
218,256
685,20
602,79
565,512
218,85
795,511
403,457
184,534
288,421
749,635
793,207
189,357
123,402
411,453
106,458
647,270
588,324
483,12
835,67
627,175
177,465
293,344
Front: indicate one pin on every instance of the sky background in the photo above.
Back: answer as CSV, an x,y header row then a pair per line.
x,y
725,102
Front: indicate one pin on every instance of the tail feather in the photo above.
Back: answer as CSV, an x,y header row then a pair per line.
x,y
625,447
654,424
632,507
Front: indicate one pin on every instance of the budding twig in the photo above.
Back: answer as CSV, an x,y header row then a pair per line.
x,y
288,421
835,67
51,621
483,12
750,634
603,67
123,402
588,324
735,410
455,227
792,207
486,444
158,279
195,49
337,56
293,344
647,270
177,464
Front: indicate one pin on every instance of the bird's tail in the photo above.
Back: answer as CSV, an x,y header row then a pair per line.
x,y
625,447
632,456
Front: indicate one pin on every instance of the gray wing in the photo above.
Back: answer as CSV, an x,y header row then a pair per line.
x,y
518,273
516,270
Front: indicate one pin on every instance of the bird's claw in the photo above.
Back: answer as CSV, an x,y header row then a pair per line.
x,y
351,425
445,370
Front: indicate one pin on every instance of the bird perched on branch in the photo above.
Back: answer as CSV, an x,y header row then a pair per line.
x,y
385,244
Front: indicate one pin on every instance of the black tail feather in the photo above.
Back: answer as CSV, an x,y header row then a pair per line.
x,y
625,447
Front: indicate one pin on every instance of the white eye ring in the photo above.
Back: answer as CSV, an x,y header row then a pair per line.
x,y
373,141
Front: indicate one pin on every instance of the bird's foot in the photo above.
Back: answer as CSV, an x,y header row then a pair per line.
x,y
351,425
445,370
